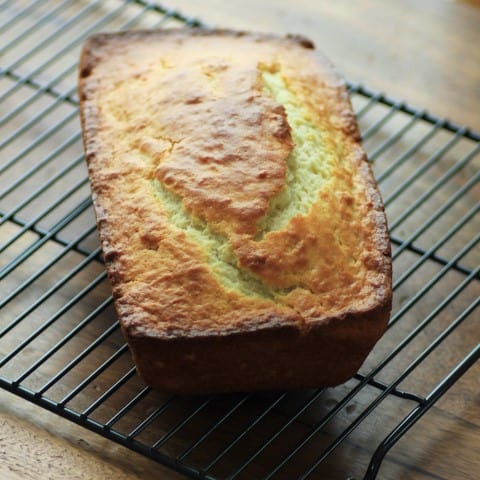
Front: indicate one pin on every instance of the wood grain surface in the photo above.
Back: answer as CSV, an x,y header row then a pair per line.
x,y
424,52
36,444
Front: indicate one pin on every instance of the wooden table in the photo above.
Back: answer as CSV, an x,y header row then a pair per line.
x,y
423,52
426,52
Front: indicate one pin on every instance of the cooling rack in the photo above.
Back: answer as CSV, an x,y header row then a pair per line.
x,y
60,344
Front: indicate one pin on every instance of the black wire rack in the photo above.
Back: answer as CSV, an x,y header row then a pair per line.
x,y
60,344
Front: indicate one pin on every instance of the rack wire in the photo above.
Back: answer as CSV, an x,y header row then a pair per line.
x,y
60,344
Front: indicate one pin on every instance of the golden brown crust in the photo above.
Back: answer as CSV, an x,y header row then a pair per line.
x,y
154,109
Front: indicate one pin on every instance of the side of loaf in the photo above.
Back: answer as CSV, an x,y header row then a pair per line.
x,y
242,230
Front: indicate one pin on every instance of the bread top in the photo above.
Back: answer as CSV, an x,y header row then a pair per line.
x,y
230,186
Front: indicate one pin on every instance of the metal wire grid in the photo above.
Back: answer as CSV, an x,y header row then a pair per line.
x,y
60,345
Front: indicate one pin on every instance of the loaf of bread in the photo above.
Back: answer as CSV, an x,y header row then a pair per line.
x,y
242,230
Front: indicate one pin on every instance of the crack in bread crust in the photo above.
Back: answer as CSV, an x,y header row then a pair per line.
x,y
308,170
